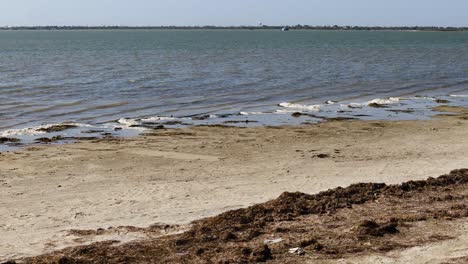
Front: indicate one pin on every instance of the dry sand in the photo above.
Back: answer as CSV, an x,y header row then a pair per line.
x,y
178,176
336,225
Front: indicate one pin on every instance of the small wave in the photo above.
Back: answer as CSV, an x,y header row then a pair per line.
x,y
459,95
302,107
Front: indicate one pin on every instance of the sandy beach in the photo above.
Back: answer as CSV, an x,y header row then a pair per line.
x,y
174,177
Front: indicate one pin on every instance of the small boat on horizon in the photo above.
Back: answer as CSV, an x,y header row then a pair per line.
x,y
285,29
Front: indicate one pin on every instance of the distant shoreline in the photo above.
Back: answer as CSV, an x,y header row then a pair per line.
x,y
297,27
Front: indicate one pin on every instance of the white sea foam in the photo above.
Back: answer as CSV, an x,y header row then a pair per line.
x,y
22,131
354,105
162,118
128,122
33,131
418,98
285,111
251,113
459,95
380,101
302,107
330,102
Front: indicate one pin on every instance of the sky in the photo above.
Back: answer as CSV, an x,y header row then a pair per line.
x,y
234,12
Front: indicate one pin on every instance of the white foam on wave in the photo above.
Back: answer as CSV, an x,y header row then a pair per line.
x,y
459,95
33,131
354,105
418,98
128,122
251,113
380,101
301,107
285,111
163,118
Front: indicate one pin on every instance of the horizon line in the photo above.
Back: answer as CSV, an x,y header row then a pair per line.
x,y
296,26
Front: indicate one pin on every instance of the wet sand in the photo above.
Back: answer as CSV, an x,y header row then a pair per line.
x,y
174,177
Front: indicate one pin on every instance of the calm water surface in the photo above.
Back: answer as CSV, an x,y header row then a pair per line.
x,y
98,77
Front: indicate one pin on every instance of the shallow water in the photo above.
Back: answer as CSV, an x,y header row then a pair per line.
x,y
99,77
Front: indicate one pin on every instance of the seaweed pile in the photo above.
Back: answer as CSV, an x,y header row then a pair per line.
x,y
359,219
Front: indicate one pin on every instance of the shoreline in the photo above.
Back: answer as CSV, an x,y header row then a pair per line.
x,y
178,176
284,114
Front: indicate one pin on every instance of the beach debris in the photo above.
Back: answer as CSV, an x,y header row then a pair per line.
x,y
94,131
299,114
173,123
239,121
272,241
321,156
297,251
229,236
308,242
154,126
296,114
262,254
56,128
406,111
118,129
442,101
339,118
203,117
294,213
8,139
49,140
376,105
372,228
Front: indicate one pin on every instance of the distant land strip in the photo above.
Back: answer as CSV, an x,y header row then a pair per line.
x,y
296,27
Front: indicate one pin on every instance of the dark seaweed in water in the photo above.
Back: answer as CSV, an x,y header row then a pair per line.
x,y
8,140
442,101
56,128
376,105
240,121
49,140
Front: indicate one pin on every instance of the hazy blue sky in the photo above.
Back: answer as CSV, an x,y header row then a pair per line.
x,y
234,12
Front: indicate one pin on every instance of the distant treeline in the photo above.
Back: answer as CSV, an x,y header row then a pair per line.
x,y
297,27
